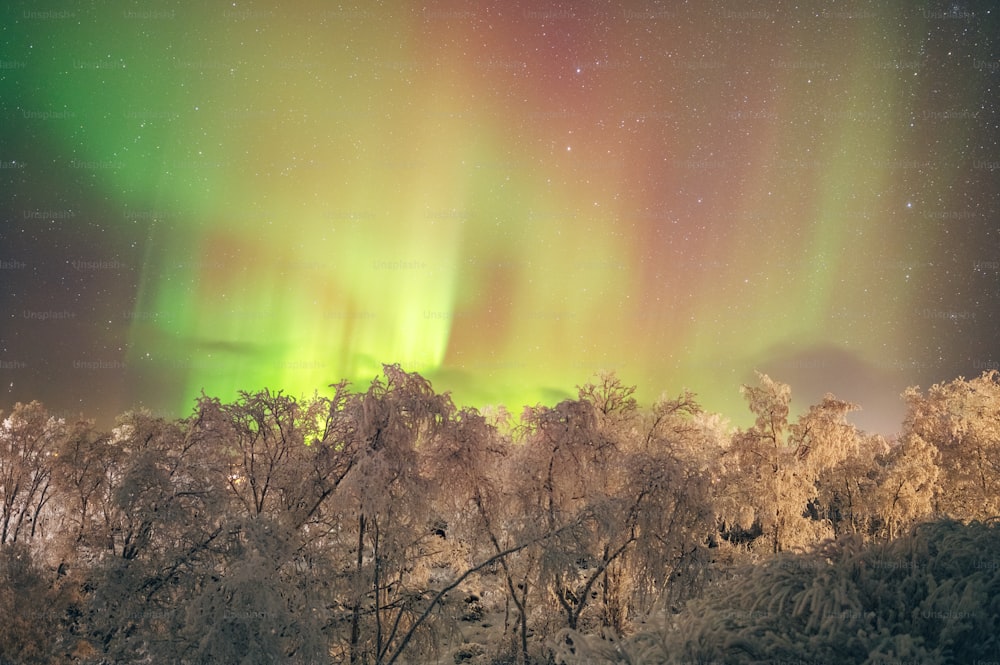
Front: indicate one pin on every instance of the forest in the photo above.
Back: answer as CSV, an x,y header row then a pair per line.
x,y
385,525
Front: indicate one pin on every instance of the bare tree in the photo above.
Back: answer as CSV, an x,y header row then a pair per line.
x,y
267,589
385,515
29,442
162,516
639,488
82,476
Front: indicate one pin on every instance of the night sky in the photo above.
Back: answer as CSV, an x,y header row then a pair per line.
x,y
504,196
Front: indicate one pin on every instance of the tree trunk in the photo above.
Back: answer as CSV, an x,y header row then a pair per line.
x,y
356,610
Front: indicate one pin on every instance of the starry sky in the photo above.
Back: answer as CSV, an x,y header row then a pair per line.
x,y
503,196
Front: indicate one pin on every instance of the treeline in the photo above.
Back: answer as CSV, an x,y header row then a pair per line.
x,y
378,526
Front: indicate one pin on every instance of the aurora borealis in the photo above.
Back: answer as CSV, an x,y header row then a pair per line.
x,y
502,196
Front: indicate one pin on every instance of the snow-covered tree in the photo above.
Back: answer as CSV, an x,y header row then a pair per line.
x,y
29,444
961,420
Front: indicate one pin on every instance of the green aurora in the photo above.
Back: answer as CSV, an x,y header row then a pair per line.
x,y
503,200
